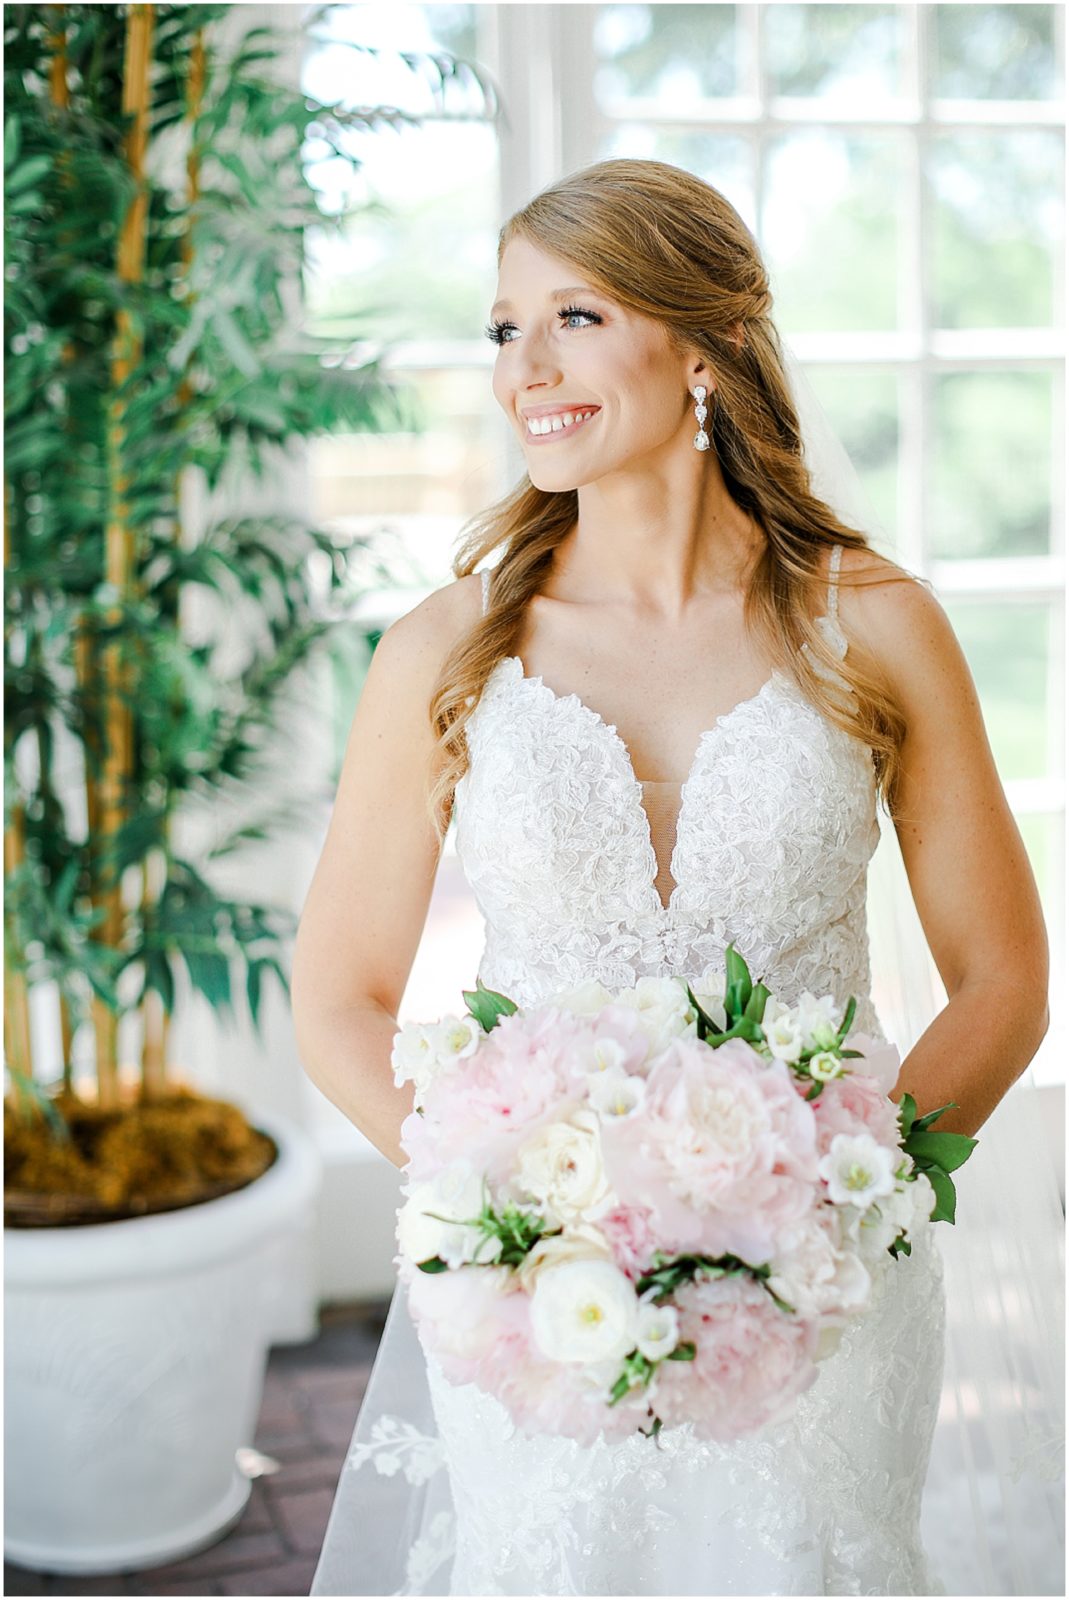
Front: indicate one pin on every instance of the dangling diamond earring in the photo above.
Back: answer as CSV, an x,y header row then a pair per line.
x,y
701,438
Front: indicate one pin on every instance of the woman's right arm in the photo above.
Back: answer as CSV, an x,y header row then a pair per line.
x,y
367,904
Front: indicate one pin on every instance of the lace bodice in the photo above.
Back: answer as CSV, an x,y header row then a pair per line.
x,y
774,828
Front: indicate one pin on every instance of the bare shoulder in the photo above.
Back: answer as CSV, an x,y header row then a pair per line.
x,y
893,618
416,643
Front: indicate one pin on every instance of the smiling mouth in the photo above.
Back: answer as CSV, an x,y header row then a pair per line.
x,y
558,428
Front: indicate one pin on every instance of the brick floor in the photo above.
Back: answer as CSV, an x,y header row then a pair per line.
x,y
312,1394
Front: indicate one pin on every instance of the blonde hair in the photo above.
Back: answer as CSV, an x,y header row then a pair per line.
x,y
661,242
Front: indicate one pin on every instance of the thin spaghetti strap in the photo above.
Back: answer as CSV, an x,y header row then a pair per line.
x,y
833,582
486,587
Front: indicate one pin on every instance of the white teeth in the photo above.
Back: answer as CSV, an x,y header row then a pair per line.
x,y
556,423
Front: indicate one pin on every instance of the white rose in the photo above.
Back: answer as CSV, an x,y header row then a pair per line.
x,y
857,1169
657,1333
617,1094
561,1166
663,1007
584,1311
579,1242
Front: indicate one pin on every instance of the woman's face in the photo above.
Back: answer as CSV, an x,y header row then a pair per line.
x,y
566,349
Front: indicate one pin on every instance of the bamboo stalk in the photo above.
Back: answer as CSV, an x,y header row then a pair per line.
x,y
157,1019
120,535
17,1038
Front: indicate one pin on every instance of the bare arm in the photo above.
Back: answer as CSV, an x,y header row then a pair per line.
x,y
367,905
969,871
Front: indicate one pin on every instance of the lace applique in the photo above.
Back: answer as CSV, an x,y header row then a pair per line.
x,y
395,1446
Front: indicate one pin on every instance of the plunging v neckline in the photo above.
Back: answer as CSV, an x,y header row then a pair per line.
x,y
664,909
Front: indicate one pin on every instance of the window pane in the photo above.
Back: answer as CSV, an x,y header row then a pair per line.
x,y
862,407
997,227
1006,643
990,491
420,267
668,53
845,52
830,229
719,159
994,52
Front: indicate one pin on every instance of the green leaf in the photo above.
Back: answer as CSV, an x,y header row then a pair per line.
x,y
486,1005
948,1150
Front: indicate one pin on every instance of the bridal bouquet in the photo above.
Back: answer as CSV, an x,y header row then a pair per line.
x,y
661,1205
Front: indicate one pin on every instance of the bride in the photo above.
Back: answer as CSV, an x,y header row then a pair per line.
x,y
665,718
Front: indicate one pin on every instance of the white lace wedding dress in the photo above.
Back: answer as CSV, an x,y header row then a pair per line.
x,y
565,851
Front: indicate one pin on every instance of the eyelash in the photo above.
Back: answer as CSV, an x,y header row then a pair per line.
x,y
496,330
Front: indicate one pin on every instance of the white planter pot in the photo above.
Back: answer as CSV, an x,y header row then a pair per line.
x,y
134,1363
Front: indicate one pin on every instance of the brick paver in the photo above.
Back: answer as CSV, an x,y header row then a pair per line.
x,y
312,1394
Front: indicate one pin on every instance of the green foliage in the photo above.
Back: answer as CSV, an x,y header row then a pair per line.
x,y
224,374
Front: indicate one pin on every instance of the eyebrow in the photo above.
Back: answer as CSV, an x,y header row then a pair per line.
x,y
555,294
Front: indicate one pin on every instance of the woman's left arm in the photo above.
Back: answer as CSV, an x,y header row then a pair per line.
x,y
968,869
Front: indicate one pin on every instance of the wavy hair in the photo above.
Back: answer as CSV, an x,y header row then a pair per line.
x,y
661,242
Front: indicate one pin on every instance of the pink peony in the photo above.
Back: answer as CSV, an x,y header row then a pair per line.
x,y
724,1154
752,1360
855,1105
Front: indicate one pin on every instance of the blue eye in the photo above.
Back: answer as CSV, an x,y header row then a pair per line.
x,y
496,330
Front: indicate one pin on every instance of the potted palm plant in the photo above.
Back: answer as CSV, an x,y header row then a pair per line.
x,y
156,202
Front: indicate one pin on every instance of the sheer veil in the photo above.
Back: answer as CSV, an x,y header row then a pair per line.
x,y
992,1515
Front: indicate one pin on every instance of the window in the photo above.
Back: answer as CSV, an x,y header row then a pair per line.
x,y
902,169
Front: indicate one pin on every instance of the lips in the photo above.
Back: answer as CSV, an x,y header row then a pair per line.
x,y
564,432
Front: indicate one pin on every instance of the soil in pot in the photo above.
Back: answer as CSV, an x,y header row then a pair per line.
x,y
179,1148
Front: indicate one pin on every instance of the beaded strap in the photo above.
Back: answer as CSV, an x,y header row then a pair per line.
x,y
833,591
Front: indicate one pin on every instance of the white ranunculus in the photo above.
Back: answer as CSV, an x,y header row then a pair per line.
x,y
561,1166
586,1000
584,1311
783,1036
579,1242
455,1194
824,1066
857,1169
663,1008
617,1094
658,1330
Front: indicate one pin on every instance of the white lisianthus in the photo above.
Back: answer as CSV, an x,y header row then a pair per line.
x,y
414,1055
456,1037
617,1094
586,1000
818,1020
579,1242
584,1311
658,1330
824,1066
857,1169
710,991
783,1036
608,1055
663,1008
456,1194
561,1166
